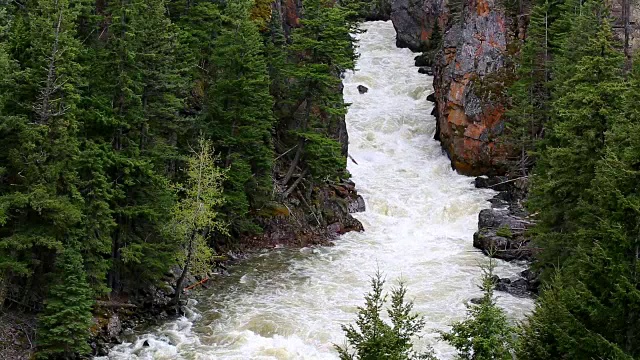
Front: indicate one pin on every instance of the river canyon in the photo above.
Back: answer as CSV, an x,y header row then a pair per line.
x,y
419,220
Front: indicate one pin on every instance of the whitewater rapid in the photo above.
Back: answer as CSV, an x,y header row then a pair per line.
x,y
420,219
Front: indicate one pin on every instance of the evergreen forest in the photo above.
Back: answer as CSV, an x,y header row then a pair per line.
x,y
141,138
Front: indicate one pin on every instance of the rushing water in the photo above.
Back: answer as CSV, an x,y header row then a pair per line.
x,y
420,218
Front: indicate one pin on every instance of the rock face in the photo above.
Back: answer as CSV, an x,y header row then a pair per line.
x,y
474,46
468,122
414,21
501,229
467,70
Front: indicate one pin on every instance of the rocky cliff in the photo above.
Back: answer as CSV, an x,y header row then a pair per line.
x,y
469,70
465,69
414,21
473,47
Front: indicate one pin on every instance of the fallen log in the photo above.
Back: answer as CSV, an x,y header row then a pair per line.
x,y
114,304
196,284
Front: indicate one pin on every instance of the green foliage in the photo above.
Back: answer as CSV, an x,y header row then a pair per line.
x,y
197,213
40,205
504,231
373,338
63,326
555,329
584,110
239,116
324,48
529,95
485,334
100,103
584,190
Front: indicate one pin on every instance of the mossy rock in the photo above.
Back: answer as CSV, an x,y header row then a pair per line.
x,y
505,231
274,210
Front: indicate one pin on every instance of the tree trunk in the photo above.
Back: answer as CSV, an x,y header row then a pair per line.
x,y
4,287
303,127
295,184
185,271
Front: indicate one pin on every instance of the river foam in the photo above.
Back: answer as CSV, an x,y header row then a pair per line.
x,y
420,218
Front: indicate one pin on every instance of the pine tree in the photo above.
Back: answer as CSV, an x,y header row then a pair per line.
x,y
555,330
575,139
63,326
239,116
485,334
132,126
373,338
529,95
324,48
40,205
590,308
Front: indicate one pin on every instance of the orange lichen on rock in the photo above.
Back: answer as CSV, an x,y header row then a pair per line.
x,y
482,7
457,117
474,131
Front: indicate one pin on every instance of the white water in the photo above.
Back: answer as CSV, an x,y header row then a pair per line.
x,y
419,223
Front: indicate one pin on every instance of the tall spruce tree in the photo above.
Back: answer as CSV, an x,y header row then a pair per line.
x,y
374,338
589,225
583,111
130,125
323,48
63,326
555,330
529,95
485,334
239,116
40,205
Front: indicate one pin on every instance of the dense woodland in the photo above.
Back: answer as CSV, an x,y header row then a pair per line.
x,y
141,135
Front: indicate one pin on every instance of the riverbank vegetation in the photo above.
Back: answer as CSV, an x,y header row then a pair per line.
x,y
575,112
484,334
142,136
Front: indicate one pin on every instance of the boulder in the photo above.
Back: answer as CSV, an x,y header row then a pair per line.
x,y
423,60
432,98
357,205
414,21
363,89
502,235
497,183
516,287
426,70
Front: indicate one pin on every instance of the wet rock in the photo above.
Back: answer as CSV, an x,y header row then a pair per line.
x,y
519,287
363,89
502,235
114,328
498,183
423,60
432,98
414,21
533,280
378,10
357,205
145,343
426,70
476,301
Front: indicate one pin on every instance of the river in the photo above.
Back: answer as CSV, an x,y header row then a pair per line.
x,y
420,219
